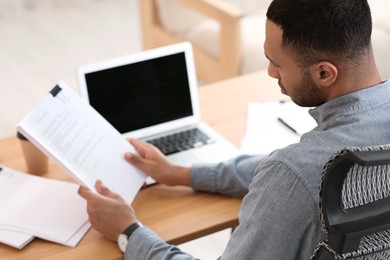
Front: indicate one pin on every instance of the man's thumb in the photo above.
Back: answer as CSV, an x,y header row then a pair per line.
x,y
101,189
134,159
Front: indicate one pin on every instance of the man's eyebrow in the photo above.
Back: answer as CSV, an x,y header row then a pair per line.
x,y
268,58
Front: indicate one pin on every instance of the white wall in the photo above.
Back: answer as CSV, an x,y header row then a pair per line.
x,y
44,41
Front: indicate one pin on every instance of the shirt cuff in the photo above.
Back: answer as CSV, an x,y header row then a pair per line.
x,y
140,243
203,177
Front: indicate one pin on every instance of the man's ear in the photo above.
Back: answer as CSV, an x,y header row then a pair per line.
x,y
324,73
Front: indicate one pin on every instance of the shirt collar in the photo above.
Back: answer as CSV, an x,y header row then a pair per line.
x,y
352,103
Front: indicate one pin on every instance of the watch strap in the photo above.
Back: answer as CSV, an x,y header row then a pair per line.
x,y
130,229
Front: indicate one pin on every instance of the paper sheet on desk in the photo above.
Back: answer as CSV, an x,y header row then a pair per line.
x,y
264,133
41,207
296,117
14,238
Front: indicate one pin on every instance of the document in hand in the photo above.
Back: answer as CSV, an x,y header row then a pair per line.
x,y
76,136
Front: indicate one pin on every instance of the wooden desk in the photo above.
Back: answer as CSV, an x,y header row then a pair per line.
x,y
177,214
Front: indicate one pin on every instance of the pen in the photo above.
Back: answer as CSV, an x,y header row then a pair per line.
x,y
287,125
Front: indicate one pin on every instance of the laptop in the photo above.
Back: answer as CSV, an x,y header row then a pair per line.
x,y
153,96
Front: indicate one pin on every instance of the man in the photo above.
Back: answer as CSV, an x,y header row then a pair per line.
x,y
320,51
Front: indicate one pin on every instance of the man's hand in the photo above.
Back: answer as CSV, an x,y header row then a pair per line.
x,y
108,213
156,164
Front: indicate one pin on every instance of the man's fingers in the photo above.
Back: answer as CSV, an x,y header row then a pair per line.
x,y
104,191
101,189
85,192
81,191
138,145
135,160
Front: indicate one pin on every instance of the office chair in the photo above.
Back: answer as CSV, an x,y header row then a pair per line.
x,y
354,205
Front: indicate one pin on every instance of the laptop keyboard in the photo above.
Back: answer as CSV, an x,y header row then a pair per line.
x,y
181,141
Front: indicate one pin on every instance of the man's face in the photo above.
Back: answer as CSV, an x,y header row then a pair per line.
x,y
294,81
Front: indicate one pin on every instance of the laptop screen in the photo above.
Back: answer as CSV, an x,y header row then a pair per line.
x,y
141,94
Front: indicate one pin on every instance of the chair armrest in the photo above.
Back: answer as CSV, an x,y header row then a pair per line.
x,y
227,63
216,9
230,42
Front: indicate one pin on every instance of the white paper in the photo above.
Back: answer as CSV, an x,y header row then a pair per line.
x,y
13,236
77,236
45,208
296,117
14,239
265,133
71,132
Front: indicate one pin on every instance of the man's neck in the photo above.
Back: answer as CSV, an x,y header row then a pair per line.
x,y
363,77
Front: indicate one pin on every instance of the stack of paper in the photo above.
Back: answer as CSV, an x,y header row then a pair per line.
x,y
14,238
32,206
274,125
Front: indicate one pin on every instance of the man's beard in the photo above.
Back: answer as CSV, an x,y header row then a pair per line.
x,y
306,93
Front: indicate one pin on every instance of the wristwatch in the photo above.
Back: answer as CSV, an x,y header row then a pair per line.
x,y
123,238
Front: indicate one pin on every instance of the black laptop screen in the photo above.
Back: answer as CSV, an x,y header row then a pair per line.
x,y
141,94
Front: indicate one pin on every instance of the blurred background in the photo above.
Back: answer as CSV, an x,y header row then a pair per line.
x,y
44,41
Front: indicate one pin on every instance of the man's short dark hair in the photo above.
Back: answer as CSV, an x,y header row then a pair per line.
x,y
317,30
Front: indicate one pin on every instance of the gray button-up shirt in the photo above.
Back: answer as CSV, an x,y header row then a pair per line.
x,y
279,214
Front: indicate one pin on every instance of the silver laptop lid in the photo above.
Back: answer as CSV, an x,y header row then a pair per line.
x,y
146,93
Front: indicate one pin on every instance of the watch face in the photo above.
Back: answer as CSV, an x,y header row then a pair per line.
x,y
122,242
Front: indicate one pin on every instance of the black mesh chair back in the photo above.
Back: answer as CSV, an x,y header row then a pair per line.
x,y
355,205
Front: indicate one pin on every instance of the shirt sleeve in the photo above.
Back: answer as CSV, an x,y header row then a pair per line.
x,y
230,178
145,244
278,218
